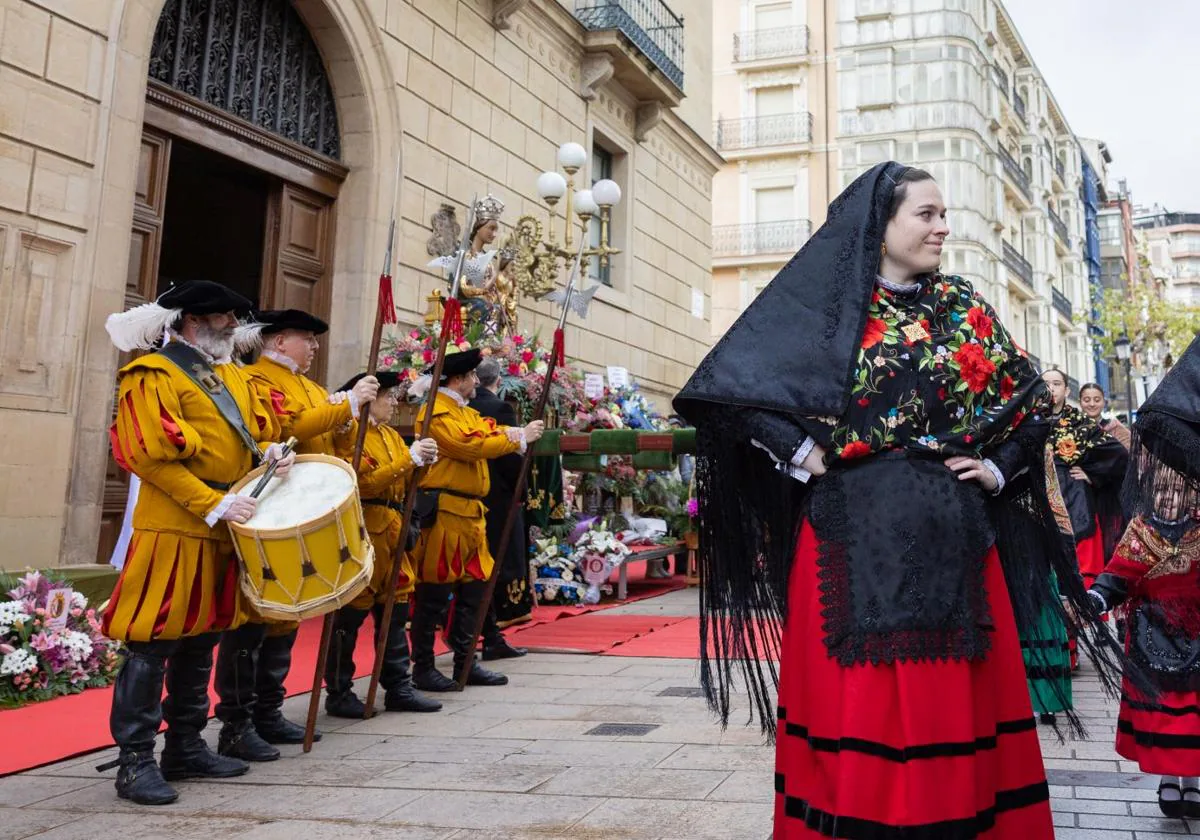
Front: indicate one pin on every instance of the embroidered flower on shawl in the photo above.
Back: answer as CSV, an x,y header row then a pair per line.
x,y
1007,385
855,449
1066,448
874,333
974,366
980,321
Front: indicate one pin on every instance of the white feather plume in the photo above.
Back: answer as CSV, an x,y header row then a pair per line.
x,y
420,386
248,337
140,328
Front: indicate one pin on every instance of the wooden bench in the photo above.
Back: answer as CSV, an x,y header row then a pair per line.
x,y
647,552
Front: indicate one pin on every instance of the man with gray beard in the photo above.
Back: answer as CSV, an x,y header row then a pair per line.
x,y
189,424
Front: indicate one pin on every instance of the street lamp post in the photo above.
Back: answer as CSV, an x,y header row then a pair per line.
x,y
585,203
1123,349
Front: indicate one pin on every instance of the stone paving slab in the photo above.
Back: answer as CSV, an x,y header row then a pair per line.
x,y
517,763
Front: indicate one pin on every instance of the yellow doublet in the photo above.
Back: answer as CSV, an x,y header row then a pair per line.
x,y
455,549
305,412
382,479
180,578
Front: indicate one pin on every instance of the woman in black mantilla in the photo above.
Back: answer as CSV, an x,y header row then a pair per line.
x,y
875,476
1151,580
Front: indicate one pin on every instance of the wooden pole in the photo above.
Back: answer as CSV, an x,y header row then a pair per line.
x,y
518,499
385,313
450,317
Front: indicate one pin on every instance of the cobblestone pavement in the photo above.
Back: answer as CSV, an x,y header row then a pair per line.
x,y
550,755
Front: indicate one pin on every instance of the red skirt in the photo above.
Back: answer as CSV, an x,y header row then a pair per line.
x,y
1162,735
941,750
1090,553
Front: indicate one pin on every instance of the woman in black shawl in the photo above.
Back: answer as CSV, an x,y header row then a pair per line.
x,y
1152,581
870,454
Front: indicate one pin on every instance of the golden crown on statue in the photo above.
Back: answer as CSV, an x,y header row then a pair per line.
x,y
488,209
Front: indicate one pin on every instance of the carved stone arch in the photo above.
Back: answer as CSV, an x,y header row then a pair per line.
x,y
254,59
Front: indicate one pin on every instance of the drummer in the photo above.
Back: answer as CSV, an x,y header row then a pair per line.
x,y
453,549
189,423
386,464
253,661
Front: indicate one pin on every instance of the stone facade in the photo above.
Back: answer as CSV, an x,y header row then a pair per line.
x,y
475,95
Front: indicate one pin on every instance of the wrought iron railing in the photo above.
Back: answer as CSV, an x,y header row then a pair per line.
x,y
1060,227
775,130
1001,79
1016,261
760,239
770,43
1061,302
1015,172
649,24
1019,105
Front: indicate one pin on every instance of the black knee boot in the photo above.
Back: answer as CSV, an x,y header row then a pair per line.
x,y
237,660
340,699
274,662
134,721
431,606
400,696
186,755
495,646
462,629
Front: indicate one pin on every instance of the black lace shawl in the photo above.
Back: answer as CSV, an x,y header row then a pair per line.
x,y
1164,470
783,373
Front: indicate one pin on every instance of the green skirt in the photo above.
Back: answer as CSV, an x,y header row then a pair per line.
x,y
1047,657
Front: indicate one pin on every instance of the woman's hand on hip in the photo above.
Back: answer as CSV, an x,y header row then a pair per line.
x,y
972,469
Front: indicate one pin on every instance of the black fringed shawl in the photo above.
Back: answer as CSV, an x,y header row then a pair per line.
x,y
782,373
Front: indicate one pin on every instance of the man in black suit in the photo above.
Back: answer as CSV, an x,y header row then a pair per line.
x,y
512,560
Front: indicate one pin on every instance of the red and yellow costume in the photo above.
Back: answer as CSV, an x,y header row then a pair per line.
x,y
180,576
382,478
455,549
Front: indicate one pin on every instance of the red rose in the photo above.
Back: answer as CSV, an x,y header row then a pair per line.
x,y
527,356
856,449
873,334
518,340
514,369
428,356
1006,387
864,402
981,322
975,367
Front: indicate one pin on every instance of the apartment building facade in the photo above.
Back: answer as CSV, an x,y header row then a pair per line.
x,y
809,93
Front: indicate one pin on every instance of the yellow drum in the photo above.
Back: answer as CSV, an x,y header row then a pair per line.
x,y
306,551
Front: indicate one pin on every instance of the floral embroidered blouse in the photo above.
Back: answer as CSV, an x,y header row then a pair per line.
x,y
935,372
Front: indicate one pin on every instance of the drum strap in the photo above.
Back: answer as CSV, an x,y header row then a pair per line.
x,y
218,485
195,368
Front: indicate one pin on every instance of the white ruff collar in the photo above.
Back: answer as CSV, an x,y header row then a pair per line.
x,y
454,395
281,359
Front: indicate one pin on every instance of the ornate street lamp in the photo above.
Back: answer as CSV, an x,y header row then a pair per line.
x,y
540,256
1124,350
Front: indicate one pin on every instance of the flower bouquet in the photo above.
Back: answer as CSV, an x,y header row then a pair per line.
x,y
50,642
598,552
555,573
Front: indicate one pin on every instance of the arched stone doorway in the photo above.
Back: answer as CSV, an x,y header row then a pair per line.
x,y
297,139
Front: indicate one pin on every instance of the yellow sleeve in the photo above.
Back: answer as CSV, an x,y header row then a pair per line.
x,y
265,418
461,440
376,479
150,438
298,420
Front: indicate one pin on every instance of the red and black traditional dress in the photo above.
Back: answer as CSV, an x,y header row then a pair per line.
x,y
1094,505
902,707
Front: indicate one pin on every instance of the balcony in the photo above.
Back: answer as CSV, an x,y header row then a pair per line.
x,y
1019,107
632,32
1061,169
1014,171
761,239
757,132
1060,227
1001,79
1062,303
779,42
873,8
1017,264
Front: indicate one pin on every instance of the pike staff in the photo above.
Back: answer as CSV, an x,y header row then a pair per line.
x,y
557,358
451,325
385,313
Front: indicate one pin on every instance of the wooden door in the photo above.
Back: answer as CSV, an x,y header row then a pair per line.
x,y
298,258
145,244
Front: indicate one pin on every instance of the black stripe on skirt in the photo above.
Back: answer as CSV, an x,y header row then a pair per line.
x,y
913,752
1158,708
854,828
1159,739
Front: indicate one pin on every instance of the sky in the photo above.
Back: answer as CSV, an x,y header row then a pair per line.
x,y
1119,71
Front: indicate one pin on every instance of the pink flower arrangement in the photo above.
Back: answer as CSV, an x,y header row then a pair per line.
x,y
50,642
692,507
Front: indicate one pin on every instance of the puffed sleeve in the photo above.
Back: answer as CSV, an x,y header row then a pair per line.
x,y
470,438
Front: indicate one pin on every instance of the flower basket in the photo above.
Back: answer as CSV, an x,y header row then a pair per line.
x,y
50,641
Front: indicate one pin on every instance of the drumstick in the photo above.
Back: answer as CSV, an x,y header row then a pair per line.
x,y
266,477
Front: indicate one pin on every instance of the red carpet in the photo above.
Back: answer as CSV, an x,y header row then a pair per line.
x,y
594,633
680,639
43,733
